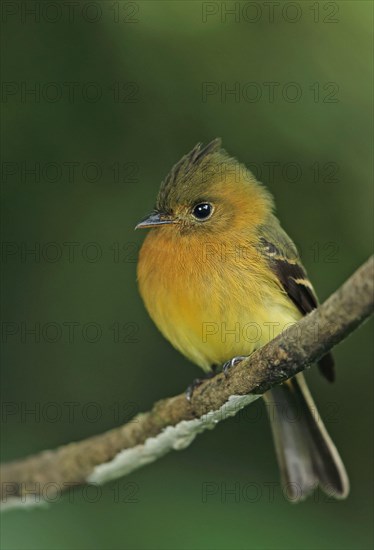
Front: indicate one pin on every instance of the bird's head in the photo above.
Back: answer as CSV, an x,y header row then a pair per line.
x,y
208,191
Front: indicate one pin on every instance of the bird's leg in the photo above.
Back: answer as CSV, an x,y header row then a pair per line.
x,y
198,381
234,361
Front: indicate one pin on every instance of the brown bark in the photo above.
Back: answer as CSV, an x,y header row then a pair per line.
x,y
291,352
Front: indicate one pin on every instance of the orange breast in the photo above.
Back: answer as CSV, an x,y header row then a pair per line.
x,y
211,300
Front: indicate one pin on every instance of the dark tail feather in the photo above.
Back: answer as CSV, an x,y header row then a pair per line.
x,y
326,367
307,457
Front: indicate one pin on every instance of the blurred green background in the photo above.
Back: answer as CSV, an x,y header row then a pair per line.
x,y
121,94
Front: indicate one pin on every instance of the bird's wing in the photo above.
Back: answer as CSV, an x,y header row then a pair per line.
x,y
282,256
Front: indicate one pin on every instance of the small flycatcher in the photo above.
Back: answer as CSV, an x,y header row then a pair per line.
x,y
220,278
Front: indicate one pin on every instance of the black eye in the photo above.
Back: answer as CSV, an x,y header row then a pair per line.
x,y
202,211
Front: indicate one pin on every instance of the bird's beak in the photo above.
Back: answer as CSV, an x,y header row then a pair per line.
x,y
154,219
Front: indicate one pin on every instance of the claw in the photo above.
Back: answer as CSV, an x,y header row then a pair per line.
x,y
198,381
229,364
191,388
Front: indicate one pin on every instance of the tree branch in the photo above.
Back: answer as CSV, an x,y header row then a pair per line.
x,y
173,423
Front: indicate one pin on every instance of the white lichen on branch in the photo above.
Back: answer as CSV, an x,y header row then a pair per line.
x,y
174,423
171,438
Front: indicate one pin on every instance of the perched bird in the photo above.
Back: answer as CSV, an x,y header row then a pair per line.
x,y
221,278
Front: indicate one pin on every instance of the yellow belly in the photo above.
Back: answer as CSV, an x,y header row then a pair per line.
x,y
211,308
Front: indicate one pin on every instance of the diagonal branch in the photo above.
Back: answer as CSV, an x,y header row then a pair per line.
x,y
173,423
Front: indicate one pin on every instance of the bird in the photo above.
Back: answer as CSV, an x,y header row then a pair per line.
x,y
220,278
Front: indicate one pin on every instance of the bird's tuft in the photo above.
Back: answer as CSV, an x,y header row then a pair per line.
x,y
186,168
204,173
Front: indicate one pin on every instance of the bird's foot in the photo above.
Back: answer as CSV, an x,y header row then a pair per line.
x,y
198,381
234,361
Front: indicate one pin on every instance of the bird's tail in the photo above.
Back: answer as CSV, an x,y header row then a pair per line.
x,y
307,457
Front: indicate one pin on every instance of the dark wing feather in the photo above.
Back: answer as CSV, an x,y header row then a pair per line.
x,y
286,264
